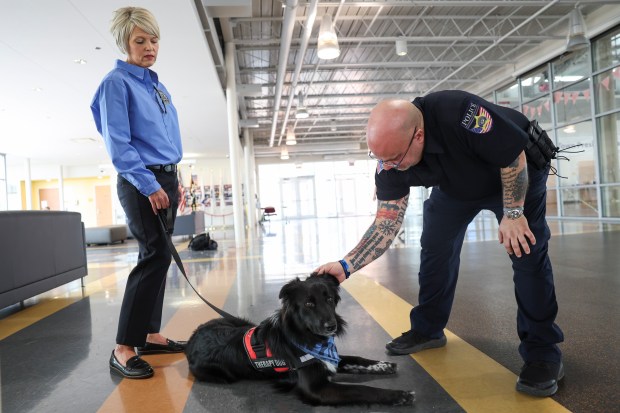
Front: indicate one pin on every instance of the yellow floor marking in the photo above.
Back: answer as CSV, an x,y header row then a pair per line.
x,y
474,380
168,389
22,319
49,303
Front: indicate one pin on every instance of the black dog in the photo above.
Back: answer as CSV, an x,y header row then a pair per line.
x,y
293,347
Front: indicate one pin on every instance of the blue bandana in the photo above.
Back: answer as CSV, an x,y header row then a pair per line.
x,y
325,351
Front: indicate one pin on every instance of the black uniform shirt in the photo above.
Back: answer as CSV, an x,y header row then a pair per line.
x,y
467,141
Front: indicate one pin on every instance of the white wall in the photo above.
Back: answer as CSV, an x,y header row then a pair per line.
x,y
208,171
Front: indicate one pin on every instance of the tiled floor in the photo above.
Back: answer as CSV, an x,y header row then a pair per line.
x,y
54,352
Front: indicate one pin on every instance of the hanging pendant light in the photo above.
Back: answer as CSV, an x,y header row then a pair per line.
x,y
290,136
328,41
284,153
576,38
401,47
301,112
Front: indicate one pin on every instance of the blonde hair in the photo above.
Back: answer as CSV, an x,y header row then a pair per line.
x,y
126,19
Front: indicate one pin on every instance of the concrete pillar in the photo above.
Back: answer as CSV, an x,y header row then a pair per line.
x,y
234,145
250,187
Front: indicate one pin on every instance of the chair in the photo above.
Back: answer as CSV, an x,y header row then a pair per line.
x,y
267,212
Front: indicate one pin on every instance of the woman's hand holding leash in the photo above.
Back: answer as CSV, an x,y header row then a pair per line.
x,y
159,200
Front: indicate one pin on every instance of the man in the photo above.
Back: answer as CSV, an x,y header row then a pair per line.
x,y
472,153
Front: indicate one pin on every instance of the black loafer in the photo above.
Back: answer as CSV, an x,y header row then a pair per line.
x,y
136,368
170,347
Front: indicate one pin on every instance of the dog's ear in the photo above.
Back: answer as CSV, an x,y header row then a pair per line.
x,y
287,290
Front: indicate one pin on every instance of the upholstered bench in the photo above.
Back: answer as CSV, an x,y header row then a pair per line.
x,y
108,234
39,251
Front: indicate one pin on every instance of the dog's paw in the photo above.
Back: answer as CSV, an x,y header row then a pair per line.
x,y
383,367
406,398
377,367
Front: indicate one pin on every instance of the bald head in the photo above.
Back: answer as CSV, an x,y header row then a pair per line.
x,y
390,127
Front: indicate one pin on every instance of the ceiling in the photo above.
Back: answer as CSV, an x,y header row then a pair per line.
x,y
470,45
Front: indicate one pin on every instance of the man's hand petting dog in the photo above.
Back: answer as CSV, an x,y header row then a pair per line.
x,y
294,348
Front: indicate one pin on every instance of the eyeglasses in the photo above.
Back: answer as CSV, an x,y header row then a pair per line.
x,y
389,164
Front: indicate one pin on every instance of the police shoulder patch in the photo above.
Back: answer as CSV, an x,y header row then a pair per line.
x,y
477,119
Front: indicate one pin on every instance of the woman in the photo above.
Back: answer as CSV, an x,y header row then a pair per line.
x,y
134,113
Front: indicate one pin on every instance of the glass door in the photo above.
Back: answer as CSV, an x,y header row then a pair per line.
x,y
298,197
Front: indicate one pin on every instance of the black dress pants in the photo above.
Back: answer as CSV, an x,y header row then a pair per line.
x,y
144,295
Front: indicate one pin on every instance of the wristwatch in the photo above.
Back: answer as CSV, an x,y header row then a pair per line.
x,y
513,213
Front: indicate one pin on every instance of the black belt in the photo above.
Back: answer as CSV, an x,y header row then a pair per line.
x,y
162,168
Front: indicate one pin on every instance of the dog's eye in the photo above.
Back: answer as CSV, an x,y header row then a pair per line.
x,y
330,300
309,304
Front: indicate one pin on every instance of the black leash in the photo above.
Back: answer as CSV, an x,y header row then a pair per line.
x,y
164,216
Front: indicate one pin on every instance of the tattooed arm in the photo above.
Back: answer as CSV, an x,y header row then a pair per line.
x,y
514,233
514,182
377,239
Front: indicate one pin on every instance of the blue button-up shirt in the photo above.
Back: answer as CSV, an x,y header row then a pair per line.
x,y
139,124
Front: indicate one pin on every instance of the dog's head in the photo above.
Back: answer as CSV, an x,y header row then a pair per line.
x,y
309,307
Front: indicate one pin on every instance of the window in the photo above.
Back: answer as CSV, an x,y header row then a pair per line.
x,y
580,170
606,50
539,109
608,152
610,196
535,84
607,90
570,68
579,202
576,98
508,96
572,103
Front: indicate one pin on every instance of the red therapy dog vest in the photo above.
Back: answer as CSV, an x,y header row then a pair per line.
x,y
260,354
262,359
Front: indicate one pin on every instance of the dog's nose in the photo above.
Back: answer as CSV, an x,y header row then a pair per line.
x,y
330,327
